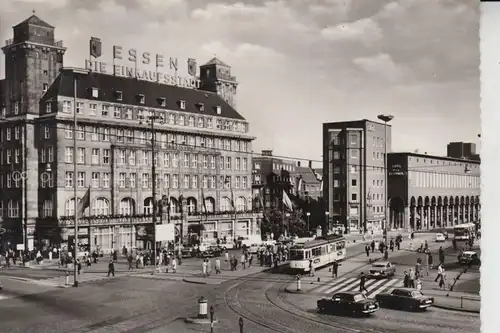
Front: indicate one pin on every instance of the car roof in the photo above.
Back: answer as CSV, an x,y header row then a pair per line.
x,y
470,252
348,293
381,263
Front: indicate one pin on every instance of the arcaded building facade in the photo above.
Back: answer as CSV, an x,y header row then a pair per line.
x,y
427,192
203,151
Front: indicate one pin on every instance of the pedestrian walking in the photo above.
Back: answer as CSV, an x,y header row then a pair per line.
x,y
111,268
442,280
429,262
406,280
398,244
311,268
217,265
204,268
209,267
243,261
335,269
250,259
226,256
441,255
367,250
439,273
411,278
391,245
79,266
372,245
130,261
174,265
362,281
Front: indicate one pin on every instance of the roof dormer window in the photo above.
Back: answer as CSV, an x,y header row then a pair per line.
x,y
182,104
201,106
119,95
142,98
218,109
162,101
45,87
95,93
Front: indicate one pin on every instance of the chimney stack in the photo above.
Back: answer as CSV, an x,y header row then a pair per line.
x,y
310,164
298,163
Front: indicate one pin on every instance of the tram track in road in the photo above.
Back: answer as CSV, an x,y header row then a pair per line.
x,y
262,311
289,313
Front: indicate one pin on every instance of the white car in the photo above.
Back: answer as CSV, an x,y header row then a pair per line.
x,y
440,238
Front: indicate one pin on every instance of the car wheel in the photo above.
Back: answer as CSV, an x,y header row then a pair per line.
x,y
321,310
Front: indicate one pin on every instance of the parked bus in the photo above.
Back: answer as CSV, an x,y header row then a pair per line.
x,y
464,232
322,251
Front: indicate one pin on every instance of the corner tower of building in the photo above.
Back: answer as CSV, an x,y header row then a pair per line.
x,y
215,76
33,59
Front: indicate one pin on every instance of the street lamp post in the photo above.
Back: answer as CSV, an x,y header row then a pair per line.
x,y
289,224
151,120
327,215
385,119
308,216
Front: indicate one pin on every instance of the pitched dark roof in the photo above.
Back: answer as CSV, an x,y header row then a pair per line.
x,y
35,20
307,174
131,88
216,61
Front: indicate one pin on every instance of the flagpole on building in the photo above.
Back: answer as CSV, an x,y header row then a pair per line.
x,y
75,123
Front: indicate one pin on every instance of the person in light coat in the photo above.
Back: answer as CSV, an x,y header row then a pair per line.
x,y
243,261
217,265
174,265
204,268
439,273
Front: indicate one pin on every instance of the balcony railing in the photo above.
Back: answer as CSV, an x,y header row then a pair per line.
x,y
9,41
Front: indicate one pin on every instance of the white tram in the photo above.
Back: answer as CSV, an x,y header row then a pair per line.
x,y
322,251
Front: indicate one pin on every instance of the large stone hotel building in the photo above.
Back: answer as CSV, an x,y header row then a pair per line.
x,y
203,150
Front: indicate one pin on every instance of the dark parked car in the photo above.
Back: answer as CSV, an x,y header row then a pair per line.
x,y
188,252
469,258
382,270
212,251
405,298
350,303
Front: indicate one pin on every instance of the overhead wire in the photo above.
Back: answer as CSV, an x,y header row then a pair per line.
x,y
369,167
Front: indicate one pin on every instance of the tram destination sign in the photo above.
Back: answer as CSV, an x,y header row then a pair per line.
x,y
136,64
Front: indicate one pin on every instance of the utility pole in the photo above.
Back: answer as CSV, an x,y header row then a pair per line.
x,y
151,121
75,243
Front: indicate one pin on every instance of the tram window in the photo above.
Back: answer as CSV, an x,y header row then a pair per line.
x,y
340,245
316,252
308,254
296,255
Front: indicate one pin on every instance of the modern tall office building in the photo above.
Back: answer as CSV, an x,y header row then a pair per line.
x,y
353,173
203,151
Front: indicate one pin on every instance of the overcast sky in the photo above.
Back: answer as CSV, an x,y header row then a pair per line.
x,y
302,62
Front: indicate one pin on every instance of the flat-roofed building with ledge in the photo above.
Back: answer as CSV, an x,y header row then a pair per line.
x,y
203,151
428,192
353,173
